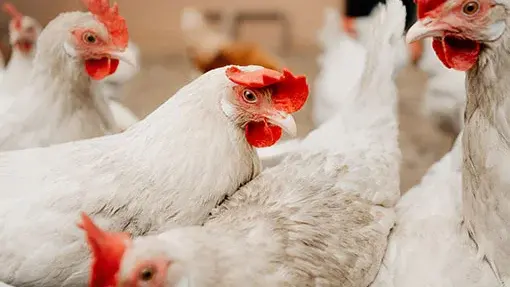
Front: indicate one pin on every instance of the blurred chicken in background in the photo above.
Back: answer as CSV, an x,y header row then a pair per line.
x,y
23,34
208,49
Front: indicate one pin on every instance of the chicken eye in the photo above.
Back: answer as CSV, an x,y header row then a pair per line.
x,y
30,30
471,8
146,274
249,96
89,38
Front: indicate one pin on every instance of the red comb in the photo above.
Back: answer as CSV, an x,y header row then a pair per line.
x,y
109,16
290,92
107,250
425,6
14,13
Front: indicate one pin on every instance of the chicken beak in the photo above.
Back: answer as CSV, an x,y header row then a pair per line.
x,y
124,57
424,29
285,121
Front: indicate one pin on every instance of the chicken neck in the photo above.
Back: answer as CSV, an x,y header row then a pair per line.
x,y
486,153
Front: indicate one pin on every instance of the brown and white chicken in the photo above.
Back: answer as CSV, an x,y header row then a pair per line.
x,y
321,217
209,49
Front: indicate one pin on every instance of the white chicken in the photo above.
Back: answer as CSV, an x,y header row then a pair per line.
x,y
23,34
59,105
343,60
473,36
173,167
445,95
313,220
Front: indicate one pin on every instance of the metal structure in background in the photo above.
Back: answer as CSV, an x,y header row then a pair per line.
x,y
232,23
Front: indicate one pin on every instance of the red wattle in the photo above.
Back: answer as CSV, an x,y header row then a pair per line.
x,y
458,54
114,64
262,134
98,69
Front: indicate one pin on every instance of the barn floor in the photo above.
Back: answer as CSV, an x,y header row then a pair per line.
x,y
422,143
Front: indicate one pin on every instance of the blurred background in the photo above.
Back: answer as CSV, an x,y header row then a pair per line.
x,y
283,28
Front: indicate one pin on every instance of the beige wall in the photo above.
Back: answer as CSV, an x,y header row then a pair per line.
x,y
154,24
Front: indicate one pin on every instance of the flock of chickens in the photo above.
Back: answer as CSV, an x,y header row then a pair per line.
x,y
199,193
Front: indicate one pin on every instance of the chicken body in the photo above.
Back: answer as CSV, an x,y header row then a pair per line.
x,y
319,218
430,246
171,168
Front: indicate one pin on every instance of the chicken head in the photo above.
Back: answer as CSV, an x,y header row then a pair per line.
x,y
460,28
23,30
107,249
262,102
100,40
119,261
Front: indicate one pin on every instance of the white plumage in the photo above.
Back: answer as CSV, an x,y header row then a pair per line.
x,y
315,219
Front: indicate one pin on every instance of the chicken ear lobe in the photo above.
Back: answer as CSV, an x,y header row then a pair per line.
x,y
107,251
